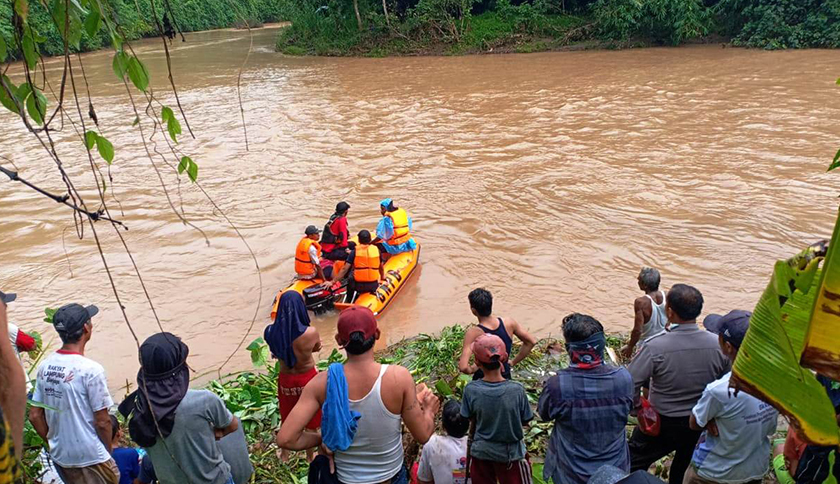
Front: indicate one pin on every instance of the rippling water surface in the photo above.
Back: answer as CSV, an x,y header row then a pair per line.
x,y
548,178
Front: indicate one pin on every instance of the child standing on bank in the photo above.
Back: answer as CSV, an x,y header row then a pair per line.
x,y
127,458
497,409
444,457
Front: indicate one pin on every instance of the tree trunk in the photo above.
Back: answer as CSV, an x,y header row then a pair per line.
x,y
385,10
358,16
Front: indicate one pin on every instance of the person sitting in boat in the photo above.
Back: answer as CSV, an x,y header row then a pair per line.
x,y
334,241
366,264
307,261
393,233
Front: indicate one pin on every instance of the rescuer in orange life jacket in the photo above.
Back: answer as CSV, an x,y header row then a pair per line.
x,y
393,233
368,270
307,261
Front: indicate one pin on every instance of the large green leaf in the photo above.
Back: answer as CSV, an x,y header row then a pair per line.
x,y
767,365
105,148
93,22
30,54
138,73
822,343
120,64
36,105
5,99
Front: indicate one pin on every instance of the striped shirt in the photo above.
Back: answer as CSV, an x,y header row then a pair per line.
x,y
589,408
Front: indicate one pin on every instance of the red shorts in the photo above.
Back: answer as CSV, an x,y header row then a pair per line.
x,y
289,389
489,472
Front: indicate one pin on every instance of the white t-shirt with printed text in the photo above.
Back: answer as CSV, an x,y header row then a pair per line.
x,y
741,451
76,387
444,460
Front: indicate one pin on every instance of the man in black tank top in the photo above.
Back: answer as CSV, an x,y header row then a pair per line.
x,y
481,305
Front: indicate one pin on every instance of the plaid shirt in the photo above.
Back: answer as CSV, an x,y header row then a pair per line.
x,y
589,408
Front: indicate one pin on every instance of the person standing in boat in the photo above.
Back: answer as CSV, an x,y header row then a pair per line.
x,y
481,305
366,263
334,240
649,310
307,256
393,233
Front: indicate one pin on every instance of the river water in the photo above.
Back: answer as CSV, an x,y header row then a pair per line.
x,y
548,178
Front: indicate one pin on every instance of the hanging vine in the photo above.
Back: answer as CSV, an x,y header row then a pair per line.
x,y
41,117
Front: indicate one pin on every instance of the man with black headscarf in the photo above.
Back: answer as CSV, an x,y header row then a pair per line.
x,y
74,391
177,426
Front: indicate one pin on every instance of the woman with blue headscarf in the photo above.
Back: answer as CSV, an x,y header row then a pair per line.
x,y
292,341
393,233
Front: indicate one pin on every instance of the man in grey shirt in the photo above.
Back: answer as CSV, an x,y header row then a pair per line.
x,y
678,364
234,449
178,427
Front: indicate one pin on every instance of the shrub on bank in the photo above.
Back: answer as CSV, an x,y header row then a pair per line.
x,y
330,27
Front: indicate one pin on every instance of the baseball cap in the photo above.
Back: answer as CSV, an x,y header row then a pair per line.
x,y
356,319
71,318
732,327
311,230
488,346
341,207
7,297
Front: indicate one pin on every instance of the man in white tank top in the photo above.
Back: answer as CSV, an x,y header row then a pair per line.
x,y
649,311
385,396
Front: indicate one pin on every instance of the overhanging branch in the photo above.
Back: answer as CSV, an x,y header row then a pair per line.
x,y
63,199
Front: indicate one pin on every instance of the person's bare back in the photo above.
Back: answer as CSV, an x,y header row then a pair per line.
x,y
304,346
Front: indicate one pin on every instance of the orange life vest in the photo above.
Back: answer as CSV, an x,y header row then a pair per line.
x,y
366,263
303,263
400,221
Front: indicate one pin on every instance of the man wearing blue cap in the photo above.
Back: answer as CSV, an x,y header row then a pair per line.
x,y
77,424
393,233
735,445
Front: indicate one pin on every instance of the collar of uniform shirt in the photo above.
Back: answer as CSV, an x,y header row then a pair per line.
x,y
683,327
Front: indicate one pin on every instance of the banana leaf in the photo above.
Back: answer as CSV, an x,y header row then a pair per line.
x,y
822,343
767,365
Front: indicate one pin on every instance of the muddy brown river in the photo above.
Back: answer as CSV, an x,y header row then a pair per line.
x,y
548,178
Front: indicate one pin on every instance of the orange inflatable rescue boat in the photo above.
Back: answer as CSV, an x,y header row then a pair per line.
x,y
320,296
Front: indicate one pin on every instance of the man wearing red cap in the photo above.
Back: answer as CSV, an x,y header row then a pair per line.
x,y
384,395
498,408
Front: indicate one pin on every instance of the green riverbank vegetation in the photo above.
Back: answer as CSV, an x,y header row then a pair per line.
x,y
134,18
417,27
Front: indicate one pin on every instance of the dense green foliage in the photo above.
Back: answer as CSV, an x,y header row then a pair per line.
x,y
134,17
782,24
330,27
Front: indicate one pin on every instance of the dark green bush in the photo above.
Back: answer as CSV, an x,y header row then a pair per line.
x,y
660,21
782,24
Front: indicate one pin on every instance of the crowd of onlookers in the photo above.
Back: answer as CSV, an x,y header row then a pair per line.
x,y
675,384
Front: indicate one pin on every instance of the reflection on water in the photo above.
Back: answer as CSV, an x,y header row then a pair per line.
x,y
548,178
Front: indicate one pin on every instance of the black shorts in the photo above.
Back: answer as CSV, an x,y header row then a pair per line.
x,y
339,253
363,287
